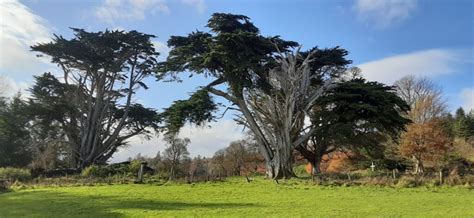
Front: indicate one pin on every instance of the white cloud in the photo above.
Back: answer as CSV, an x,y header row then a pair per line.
x,y
467,96
9,87
200,5
163,49
429,63
204,141
384,13
111,10
19,29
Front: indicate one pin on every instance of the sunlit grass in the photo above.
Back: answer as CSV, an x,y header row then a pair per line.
x,y
236,198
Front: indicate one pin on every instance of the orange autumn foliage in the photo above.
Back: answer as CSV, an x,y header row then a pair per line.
x,y
425,141
334,162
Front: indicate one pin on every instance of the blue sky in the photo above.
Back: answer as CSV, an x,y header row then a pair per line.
x,y
387,39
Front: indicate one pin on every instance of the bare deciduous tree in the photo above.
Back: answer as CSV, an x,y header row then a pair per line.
x,y
424,97
176,152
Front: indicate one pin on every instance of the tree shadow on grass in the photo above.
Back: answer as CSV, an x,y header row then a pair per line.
x,y
57,204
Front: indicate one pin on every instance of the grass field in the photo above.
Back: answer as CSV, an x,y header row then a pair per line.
x,y
236,198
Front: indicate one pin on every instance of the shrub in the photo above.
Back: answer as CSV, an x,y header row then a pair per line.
x,y
300,171
134,167
95,171
407,182
14,174
128,169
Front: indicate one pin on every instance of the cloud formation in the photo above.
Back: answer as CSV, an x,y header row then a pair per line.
x,y
199,5
131,10
383,13
110,11
9,87
467,96
204,141
19,29
429,63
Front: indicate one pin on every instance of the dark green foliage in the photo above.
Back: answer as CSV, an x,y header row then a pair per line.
x,y
93,104
233,51
140,116
14,174
327,58
198,109
106,50
15,147
120,169
49,100
356,115
463,124
359,107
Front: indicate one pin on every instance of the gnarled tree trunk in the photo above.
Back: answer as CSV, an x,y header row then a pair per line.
x,y
281,165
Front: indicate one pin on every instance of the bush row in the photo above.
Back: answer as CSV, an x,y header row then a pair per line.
x,y
14,174
126,169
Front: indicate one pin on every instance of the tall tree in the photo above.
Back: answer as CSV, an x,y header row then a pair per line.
x,y
462,126
93,100
235,155
423,96
49,145
175,153
356,116
237,56
15,149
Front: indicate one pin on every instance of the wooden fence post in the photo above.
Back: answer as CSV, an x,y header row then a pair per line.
x,y
141,171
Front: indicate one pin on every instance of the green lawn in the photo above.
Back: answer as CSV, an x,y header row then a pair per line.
x,y
236,198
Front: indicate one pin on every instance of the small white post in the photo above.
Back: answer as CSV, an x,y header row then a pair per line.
x,y
372,166
440,177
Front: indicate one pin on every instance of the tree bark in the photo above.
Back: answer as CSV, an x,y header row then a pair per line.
x,y
419,169
281,165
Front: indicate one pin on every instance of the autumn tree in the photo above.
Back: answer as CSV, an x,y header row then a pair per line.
x,y
425,142
92,101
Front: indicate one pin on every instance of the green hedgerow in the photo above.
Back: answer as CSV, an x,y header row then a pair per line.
x,y
14,174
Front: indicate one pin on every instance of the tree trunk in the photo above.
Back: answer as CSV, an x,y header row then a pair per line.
x,y
314,158
419,169
316,168
281,165
171,173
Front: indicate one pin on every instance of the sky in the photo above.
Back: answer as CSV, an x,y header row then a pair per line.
x,y
386,39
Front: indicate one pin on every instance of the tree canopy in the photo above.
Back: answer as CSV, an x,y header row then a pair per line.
x,y
93,100
272,84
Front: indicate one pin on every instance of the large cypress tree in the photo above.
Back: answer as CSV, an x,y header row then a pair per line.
x,y
93,100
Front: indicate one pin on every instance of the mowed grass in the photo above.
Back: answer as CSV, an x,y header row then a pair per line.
x,y
236,198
